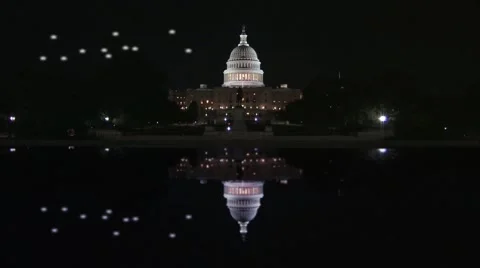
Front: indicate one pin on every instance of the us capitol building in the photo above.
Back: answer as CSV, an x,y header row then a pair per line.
x,y
243,71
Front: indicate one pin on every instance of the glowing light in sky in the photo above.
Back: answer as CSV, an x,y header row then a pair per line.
x,y
125,47
134,48
108,56
43,58
115,34
53,37
82,51
104,50
172,32
63,58
188,50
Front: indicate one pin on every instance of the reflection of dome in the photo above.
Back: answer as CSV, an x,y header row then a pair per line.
x,y
243,66
243,201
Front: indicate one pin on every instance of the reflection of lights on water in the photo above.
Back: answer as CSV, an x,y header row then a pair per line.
x,y
382,150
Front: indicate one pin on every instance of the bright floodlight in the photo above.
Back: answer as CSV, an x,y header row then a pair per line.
x,y
12,118
135,49
12,150
382,150
43,58
256,119
104,50
125,47
63,58
382,118
188,50
229,128
115,34
108,56
106,117
172,32
53,37
82,51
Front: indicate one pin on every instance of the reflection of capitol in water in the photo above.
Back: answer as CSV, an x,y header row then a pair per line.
x,y
243,174
243,201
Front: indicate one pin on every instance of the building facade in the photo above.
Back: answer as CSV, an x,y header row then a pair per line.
x,y
243,72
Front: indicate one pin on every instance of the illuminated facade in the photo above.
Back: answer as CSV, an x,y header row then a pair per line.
x,y
243,71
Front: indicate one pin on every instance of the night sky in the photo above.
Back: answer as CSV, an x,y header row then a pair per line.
x,y
296,41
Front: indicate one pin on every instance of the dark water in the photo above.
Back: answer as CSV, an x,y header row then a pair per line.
x,y
319,207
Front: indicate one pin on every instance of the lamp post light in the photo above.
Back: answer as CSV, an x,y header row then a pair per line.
x,y
382,120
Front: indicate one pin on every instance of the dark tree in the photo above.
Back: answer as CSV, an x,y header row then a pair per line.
x,y
192,112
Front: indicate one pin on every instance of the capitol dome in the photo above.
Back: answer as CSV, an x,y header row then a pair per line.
x,y
243,201
243,66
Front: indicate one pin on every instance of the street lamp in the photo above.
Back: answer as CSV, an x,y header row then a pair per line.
x,y
382,120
